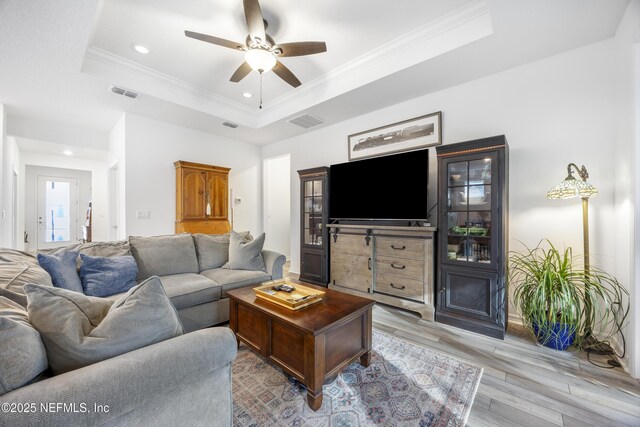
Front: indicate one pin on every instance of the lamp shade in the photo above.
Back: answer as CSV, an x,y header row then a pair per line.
x,y
260,60
572,187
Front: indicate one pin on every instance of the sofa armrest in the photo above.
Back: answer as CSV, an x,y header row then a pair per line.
x,y
124,383
274,263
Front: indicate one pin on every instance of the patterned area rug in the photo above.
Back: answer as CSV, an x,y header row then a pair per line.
x,y
404,385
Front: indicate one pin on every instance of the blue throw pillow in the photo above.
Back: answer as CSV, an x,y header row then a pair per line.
x,y
104,276
62,269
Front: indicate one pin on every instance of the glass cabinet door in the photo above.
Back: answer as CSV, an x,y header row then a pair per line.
x,y
313,210
468,210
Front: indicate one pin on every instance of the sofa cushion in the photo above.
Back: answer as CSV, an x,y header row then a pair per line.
x,y
164,255
18,268
245,254
232,279
104,276
103,249
62,269
21,350
213,249
187,290
14,273
78,330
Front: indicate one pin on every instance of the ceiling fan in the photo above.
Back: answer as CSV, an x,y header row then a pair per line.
x,y
261,52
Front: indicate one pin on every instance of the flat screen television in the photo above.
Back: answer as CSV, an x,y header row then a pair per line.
x,y
388,188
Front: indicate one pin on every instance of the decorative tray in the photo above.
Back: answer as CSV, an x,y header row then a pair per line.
x,y
300,297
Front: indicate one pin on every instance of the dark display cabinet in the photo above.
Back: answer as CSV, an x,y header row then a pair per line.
x,y
472,235
314,214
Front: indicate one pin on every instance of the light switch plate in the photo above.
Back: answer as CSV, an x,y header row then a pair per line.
x,y
143,214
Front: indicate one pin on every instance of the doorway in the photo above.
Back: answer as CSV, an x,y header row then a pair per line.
x,y
277,204
54,200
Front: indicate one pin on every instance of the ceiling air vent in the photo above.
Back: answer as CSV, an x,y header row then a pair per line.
x,y
121,91
230,125
306,121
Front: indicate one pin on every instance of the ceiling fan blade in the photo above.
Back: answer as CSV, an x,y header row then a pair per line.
x,y
241,72
214,40
255,21
285,74
301,48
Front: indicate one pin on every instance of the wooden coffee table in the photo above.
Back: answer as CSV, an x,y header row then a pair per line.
x,y
312,344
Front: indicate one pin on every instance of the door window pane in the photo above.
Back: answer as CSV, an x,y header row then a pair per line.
x,y
58,211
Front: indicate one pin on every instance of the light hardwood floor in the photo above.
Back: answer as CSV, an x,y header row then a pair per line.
x,y
524,384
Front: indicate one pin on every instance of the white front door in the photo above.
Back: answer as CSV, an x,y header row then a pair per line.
x,y
57,218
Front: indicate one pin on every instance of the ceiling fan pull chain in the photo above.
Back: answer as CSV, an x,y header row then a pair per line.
x,y
261,91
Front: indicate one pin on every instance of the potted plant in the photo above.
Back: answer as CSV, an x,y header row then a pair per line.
x,y
562,303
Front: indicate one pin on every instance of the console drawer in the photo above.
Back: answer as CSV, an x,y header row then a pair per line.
x,y
400,286
403,267
400,247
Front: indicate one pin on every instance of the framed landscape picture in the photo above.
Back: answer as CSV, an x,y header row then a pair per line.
x,y
412,134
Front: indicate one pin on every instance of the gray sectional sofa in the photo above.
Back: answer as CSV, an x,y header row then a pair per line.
x,y
182,381
192,271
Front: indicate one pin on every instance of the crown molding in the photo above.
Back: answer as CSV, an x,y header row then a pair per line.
x,y
108,58
466,24
389,53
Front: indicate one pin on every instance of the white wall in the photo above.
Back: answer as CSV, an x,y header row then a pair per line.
x,y
117,159
627,136
98,169
4,240
11,165
40,130
9,162
152,147
277,204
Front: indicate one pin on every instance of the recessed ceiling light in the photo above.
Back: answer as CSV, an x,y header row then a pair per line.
x,y
247,95
67,153
140,49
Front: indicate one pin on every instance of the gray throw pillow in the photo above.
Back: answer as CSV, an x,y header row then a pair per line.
x,y
78,330
105,276
62,269
213,249
246,255
21,350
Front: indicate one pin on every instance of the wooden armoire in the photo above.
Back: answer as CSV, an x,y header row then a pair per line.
x,y
202,201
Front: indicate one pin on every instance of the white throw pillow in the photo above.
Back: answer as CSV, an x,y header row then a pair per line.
x,y
78,330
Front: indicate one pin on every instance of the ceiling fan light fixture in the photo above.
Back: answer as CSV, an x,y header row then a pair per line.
x,y
260,60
